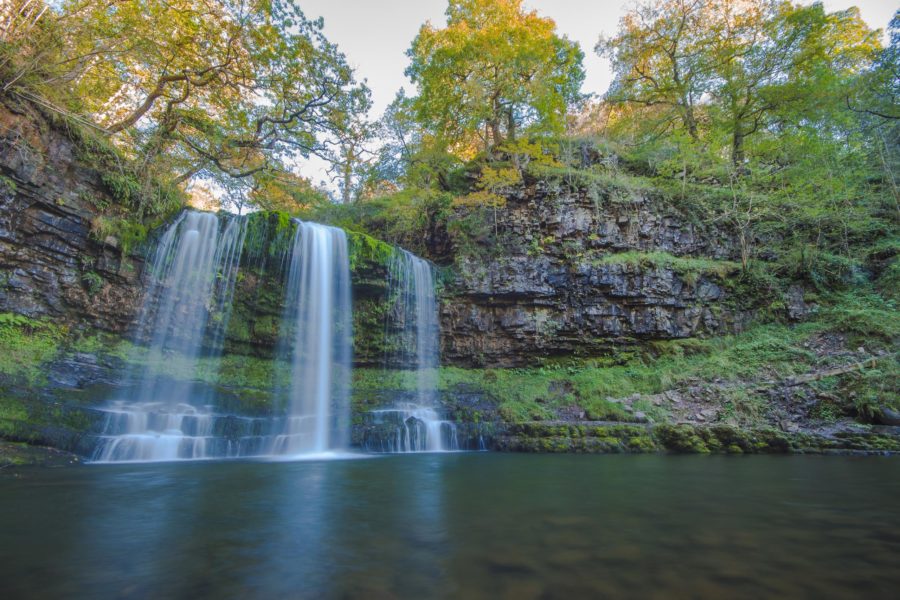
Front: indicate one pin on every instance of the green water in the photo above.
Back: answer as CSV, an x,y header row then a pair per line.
x,y
456,526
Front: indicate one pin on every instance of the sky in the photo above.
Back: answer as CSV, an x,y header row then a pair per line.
x,y
374,35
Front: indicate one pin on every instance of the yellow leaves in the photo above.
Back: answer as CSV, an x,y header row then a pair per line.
x,y
480,198
202,197
497,179
524,152
465,149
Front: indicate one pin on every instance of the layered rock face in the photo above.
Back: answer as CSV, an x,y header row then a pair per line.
x,y
578,275
50,265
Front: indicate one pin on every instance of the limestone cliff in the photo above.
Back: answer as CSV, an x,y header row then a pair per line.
x,y
582,270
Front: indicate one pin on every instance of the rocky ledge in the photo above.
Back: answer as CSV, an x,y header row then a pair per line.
x,y
583,270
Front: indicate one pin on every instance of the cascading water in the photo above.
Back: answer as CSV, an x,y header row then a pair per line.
x,y
418,425
316,340
184,315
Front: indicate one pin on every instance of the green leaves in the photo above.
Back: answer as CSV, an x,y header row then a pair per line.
x,y
734,68
216,89
493,71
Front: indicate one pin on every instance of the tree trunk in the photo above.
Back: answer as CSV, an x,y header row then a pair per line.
x,y
496,136
737,147
348,181
496,121
690,122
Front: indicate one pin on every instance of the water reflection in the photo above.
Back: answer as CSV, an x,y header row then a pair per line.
x,y
456,525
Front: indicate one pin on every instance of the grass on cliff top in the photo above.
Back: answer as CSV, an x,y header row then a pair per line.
x,y
365,249
617,183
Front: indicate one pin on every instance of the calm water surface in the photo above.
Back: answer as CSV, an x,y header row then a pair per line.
x,y
456,526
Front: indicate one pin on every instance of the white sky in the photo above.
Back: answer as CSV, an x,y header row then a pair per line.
x,y
374,35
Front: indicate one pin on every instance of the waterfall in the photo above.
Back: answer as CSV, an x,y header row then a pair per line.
x,y
419,425
184,315
316,341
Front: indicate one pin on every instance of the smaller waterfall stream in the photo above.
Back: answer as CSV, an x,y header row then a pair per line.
x,y
419,425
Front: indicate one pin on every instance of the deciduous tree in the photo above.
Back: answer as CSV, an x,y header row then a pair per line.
x,y
494,71
209,88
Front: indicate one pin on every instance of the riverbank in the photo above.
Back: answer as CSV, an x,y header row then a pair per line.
x,y
20,454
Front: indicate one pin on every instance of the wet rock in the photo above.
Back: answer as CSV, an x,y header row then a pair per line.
x,y
83,369
888,416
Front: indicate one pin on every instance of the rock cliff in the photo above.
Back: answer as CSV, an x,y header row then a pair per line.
x,y
50,263
582,270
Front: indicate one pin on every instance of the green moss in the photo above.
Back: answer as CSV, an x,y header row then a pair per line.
x,y
371,342
127,232
230,371
681,438
26,345
92,281
268,238
366,250
547,437
888,281
688,267
11,409
864,314
99,343
7,185
537,393
694,439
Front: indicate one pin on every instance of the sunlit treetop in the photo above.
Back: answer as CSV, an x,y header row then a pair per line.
x,y
216,88
495,70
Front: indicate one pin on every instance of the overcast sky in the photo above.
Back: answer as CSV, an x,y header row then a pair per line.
x,y
374,34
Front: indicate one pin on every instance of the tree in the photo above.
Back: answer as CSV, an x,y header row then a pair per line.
x,y
287,192
494,71
354,159
744,63
875,100
199,88
768,57
878,91
658,60
401,140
